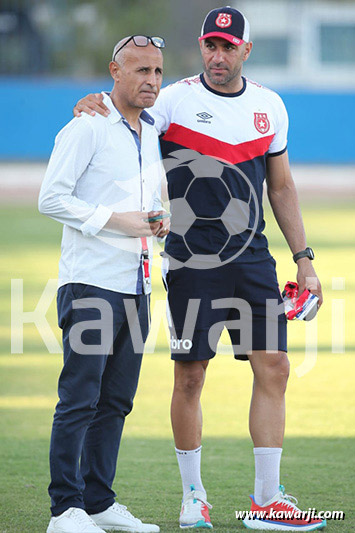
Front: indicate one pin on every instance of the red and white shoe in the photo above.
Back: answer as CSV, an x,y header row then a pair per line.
x,y
194,510
281,514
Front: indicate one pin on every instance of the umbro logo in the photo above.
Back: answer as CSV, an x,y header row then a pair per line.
x,y
204,117
178,344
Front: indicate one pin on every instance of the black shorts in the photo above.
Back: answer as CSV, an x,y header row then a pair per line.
x,y
200,306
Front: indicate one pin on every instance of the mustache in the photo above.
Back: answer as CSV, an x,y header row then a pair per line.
x,y
218,65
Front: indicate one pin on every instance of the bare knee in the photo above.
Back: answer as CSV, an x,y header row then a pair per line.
x,y
272,372
190,377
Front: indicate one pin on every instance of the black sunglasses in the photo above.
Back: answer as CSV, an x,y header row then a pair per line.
x,y
141,40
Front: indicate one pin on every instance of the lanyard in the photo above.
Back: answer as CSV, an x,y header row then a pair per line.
x,y
145,263
145,251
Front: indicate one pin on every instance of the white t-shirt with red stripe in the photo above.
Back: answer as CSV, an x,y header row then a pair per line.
x,y
241,129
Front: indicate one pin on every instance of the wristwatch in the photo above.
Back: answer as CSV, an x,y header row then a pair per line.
x,y
308,252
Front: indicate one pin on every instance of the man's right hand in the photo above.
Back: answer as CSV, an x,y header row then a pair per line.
x,y
91,104
134,223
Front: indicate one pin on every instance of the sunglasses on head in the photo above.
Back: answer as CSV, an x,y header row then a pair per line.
x,y
142,40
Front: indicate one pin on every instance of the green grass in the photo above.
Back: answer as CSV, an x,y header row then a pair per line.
x,y
318,458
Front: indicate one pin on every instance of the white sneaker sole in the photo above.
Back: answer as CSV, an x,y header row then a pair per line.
x,y
54,530
156,529
262,525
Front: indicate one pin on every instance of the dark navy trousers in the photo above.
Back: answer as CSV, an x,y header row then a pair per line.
x,y
96,393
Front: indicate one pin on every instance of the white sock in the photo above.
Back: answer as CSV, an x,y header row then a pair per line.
x,y
190,469
267,473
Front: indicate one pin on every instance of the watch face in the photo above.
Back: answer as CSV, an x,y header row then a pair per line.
x,y
310,253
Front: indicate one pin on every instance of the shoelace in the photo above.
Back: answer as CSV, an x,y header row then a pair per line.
x,y
287,499
123,511
81,517
194,499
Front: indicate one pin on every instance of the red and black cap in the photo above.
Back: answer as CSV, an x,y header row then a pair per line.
x,y
227,23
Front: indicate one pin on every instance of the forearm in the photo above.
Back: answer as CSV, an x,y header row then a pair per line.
x,y
133,223
116,223
285,206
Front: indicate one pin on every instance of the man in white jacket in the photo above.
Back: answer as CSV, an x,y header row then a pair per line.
x,y
103,183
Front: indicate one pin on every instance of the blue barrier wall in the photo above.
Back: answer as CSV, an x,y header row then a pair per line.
x,y
34,110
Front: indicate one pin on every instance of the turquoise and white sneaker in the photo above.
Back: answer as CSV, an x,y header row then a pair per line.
x,y
194,510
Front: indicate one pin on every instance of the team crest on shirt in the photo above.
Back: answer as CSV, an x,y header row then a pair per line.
x,y
261,122
224,20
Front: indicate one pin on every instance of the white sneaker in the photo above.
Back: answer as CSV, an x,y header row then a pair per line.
x,y
118,518
194,510
73,520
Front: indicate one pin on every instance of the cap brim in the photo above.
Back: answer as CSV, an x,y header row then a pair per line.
x,y
226,36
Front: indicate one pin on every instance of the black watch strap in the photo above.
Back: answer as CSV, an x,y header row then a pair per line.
x,y
308,252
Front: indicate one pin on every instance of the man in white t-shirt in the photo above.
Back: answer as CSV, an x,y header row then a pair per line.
x,y
222,136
